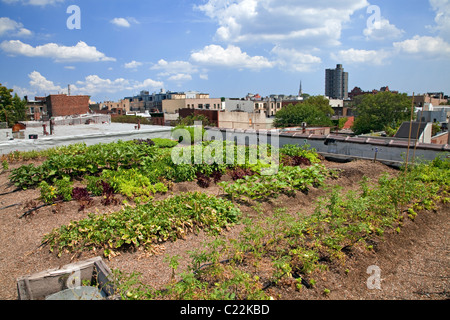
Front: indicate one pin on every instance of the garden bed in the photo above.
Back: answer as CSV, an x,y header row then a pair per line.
x,y
25,248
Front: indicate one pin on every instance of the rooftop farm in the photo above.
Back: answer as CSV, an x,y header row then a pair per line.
x,y
273,250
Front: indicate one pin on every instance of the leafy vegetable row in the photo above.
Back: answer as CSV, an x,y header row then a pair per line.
x,y
145,225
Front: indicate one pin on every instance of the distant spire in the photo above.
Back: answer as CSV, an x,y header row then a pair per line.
x,y
300,92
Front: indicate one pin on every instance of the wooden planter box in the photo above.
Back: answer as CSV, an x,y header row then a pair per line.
x,y
41,285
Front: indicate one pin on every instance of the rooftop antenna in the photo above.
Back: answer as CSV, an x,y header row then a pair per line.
x,y
410,133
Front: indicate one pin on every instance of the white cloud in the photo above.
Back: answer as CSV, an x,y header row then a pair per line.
x,y
442,19
94,84
42,85
133,65
121,22
148,84
180,77
38,86
295,60
280,21
174,67
382,30
351,56
12,28
91,85
232,56
22,92
433,47
41,3
178,71
79,53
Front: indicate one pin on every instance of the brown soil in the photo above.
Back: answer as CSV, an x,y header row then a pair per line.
x,y
414,264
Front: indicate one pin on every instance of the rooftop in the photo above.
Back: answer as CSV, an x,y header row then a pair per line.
x,y
68,134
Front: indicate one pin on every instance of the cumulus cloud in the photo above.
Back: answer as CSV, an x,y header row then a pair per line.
x,y
39,82
121,22
94,84
232,56
9,27
382,29
280,21
78,53
174,67
180,77
148,84
38,85
434,47
352,56
90,85
178,71
442,19
133,65
294,60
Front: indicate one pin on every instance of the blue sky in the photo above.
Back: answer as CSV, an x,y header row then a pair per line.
x,y
226,48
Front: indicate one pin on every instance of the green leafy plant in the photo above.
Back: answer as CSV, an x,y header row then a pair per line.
x,y
5,164
145,225
64,188
48,193
132,183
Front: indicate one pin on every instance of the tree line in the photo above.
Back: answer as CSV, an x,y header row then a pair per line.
x,y
384,111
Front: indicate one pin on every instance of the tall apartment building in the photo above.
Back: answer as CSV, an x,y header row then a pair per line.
x,y
336,83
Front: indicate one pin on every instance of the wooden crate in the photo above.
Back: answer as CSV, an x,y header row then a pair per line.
x,y
40,285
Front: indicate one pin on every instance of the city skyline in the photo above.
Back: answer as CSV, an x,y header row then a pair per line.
x,y
225,48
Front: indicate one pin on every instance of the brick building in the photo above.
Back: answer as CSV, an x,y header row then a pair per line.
x,y
61,105
58,105
434,98
202,103
36,108
211,115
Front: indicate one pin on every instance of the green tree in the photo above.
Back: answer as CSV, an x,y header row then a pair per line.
x,y
190,120
295,115
376,112
322,103
12,108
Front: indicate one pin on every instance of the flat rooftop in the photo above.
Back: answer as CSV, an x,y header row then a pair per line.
x,y
80,130
87,133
